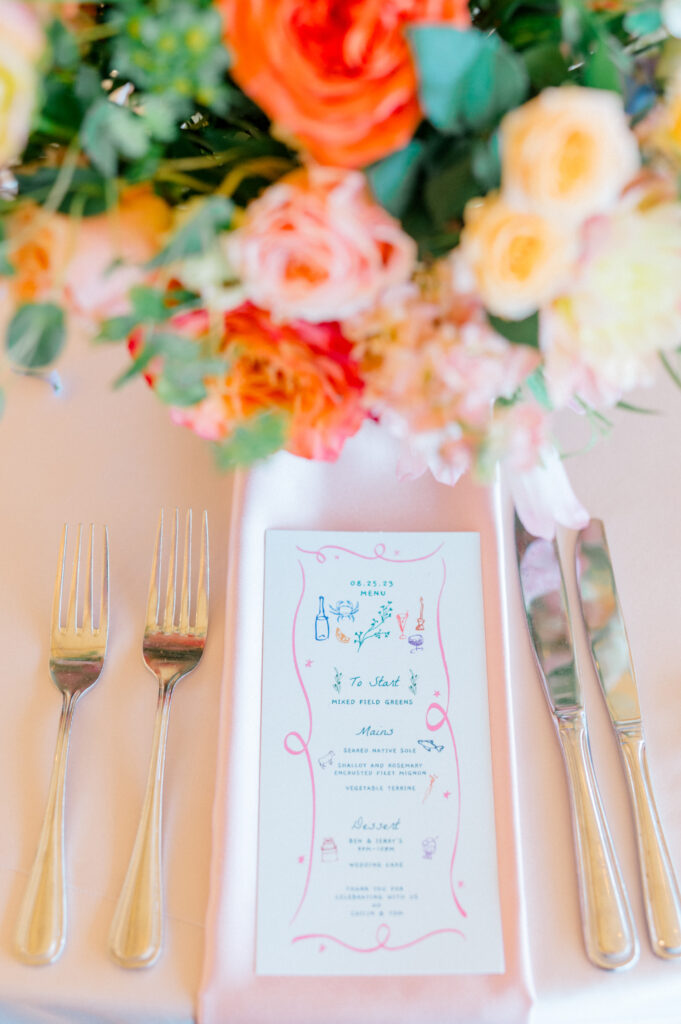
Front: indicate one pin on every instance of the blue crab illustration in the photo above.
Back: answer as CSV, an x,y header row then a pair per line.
x,y
344,610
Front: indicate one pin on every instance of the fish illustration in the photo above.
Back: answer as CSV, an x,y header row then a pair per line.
x,y
340,635
431,745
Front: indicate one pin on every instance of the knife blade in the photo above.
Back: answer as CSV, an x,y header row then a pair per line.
x,y
611,655
609,935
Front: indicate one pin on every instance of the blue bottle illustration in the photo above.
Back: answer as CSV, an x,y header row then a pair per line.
x,y
321,623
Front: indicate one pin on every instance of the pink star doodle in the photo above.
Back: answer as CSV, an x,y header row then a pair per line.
x,y
436,693
446,794
322,948
301,860
308,663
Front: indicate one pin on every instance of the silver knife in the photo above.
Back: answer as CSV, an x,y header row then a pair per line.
x,y
609,934
612,660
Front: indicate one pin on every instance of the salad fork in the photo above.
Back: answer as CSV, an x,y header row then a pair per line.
x,y
76,658
172,647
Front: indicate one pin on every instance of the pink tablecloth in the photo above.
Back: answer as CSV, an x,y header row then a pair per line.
x,y
359,492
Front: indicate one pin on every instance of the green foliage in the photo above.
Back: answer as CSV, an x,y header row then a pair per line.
x,y
256,439
520,332
197,234
174,51
467,80
36,335
110,132
394,178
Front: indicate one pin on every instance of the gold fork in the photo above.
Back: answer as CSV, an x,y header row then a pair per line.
x,y
172,647
76,659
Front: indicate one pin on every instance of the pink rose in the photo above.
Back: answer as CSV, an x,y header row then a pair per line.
x,y
316,246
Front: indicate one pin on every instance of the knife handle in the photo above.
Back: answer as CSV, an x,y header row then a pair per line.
x,y
607,922
660,888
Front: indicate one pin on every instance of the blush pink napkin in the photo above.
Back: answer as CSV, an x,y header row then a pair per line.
x,y
360,491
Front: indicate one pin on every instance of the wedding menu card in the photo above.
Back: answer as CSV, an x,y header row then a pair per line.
x,y
377,849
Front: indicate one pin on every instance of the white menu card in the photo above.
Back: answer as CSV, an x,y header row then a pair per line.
x,y
377,849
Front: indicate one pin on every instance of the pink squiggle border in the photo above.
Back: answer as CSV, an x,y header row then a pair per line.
x,y
379,552
444,712
303,746
382,938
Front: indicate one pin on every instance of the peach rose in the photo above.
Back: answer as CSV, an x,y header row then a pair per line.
x,y
59,256
316,246
21,44
568,153
302,371
519,260
337,76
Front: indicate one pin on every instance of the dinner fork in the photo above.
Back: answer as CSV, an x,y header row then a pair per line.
x,y
76,657
172,647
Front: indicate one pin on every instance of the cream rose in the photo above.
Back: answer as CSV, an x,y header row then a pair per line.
x,y
519,260
316,246
21,44
602,336
568,153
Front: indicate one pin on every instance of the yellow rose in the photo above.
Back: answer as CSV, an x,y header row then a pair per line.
x,y
21,43
567,153
520,260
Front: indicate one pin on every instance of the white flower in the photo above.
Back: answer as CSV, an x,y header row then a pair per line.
x,y
21,44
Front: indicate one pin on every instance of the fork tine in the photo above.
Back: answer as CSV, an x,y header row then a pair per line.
x,y
87,602
104,602
169,613
154,580
58,583
185,599
73,589
201,621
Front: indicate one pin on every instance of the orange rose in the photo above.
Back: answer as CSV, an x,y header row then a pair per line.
x,y
339,76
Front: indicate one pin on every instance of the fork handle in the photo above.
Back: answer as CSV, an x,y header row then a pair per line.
x,y
137,929
41,925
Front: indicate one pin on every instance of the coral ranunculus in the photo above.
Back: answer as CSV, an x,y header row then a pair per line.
x,y
303,371
338,76
315,245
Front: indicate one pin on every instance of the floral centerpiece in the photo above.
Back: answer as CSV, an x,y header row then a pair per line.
x,y
451,218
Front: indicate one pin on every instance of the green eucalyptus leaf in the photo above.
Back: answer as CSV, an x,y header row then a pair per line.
x,y
176,387
149,304
198,233
519,332
536,383
117,328
644,21
467,79
7,269
393,179
110,132
35,335
448,190
137,366
602,71
546,65
261,436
